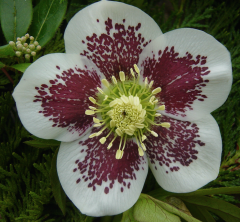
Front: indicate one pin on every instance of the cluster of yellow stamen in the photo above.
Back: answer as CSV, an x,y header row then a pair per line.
x,y
128,110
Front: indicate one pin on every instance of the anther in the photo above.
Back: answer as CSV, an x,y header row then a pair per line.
x,y
105,82
119,154
143,147
102,140
92,100
100,90
122,76
146,82
114,80
89,112
154,133
109,145
119,132
143,137
136,69
140,151
92,108
150,84
162,107
165,124
157,90
132,73
95,120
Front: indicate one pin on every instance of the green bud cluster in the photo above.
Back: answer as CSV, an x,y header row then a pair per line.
x,y
22,47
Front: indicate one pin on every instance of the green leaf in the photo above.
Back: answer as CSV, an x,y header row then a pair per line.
x,y
47,17
6,51
214,205
41,143
16,16
21,67
1,65
162,194
225,216
128,216
213,191
179,209
148,210
58,193
200,213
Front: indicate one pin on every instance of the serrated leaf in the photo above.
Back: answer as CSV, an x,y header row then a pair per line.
x,y
6,51
41,143
21,67
47,16
148,210
58,193
214,204
16,16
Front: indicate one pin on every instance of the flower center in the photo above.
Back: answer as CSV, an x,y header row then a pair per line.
x,y
127,109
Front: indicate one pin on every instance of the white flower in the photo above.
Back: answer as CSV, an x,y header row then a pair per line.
x,y
152,106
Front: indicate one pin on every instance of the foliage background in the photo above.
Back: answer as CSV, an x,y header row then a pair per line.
x,y
28,190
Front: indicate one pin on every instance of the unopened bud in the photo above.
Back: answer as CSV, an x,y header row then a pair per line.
x,y
39,47
24,39
27,56
36,43
33,53
31,46
11,43
31,38
18,54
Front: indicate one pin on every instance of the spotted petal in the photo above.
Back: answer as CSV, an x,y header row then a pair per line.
x,y
95,181
186,156
193,69
111,34
52,96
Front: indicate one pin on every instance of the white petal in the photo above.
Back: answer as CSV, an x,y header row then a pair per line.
x,y
186,156
193,69
52,96
95,181
111,34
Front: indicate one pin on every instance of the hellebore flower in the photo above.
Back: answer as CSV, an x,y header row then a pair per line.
x,y
124,96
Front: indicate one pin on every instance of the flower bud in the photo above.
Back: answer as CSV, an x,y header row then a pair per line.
x,y
18,54
11,43
27,56
31,46
36,43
